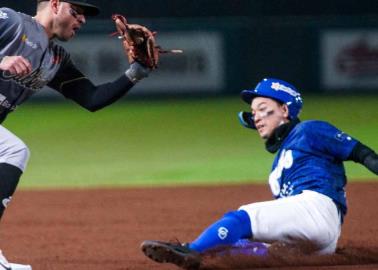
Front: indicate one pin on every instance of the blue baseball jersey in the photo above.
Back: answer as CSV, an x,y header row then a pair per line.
x,y
311,158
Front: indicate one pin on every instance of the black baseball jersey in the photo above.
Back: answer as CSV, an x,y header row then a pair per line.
x,y
22,35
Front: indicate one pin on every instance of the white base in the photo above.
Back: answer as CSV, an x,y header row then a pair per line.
x,y
16,266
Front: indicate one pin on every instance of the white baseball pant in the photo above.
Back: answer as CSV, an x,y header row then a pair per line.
x,y
309,217
13,150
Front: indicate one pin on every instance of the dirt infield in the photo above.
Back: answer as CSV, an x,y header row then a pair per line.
x,y
102,229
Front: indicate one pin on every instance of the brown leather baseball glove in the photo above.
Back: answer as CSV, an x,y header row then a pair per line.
x,y
139,42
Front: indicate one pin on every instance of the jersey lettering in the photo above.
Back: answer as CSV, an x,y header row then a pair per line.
x,y
33,81
285,162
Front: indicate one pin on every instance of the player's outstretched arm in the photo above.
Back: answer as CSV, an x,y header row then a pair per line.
x,y
73,84
142,53
366,156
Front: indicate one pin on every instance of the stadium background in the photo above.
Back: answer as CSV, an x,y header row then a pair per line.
x,y
77,207
179,126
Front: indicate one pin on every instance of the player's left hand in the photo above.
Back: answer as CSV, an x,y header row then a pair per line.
x,y
139,43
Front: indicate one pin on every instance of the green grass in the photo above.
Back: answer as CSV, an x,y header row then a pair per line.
x,y
136,142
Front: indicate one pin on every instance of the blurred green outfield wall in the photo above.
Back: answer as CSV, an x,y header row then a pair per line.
x,y
167,141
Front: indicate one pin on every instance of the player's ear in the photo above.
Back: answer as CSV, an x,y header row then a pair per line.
x,y
54,4
285,110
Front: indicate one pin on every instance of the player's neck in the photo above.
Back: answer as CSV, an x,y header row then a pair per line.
x,y
46,22
274,142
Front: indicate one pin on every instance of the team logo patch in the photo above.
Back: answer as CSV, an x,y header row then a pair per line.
x,y
341,136
5,103
3,15
26,40
222,233
56,59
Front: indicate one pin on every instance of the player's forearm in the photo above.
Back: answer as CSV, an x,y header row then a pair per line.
x,y
93,97
74,85
371,162
366,156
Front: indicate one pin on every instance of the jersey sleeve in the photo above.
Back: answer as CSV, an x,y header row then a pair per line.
x,y
68,73
329,140
9,23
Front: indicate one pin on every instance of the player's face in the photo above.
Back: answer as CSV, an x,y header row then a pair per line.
x,y
69,20
268,114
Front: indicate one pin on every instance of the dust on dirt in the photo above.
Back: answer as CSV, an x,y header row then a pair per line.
x,y
95,229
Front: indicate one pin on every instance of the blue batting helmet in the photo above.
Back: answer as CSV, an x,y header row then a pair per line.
x,y
278,90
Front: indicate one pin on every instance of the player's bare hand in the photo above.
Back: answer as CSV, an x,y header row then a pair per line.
x,y
16,65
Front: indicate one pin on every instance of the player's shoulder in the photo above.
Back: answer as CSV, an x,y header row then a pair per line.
x,y
313,125
10,16
6,13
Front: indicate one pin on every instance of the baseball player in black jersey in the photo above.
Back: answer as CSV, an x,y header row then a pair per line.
x,y
30,60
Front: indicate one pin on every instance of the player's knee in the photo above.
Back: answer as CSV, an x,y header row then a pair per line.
x,y
239,215
24,156
324,239
18,154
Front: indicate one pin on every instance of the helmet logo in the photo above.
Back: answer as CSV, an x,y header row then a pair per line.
x,y
277,86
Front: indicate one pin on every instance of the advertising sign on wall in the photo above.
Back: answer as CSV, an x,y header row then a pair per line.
x,y
199,69
349,59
